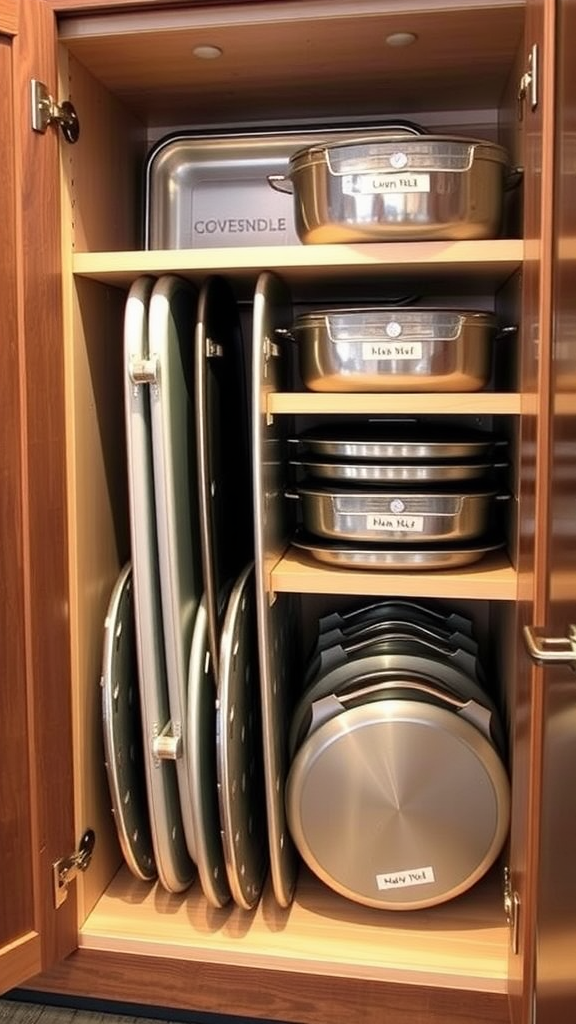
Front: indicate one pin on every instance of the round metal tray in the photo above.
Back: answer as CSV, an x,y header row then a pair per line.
x,y
370,556
394,472
392,442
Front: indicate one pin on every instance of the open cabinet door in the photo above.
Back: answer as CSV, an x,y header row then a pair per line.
x,y
36,783
555,999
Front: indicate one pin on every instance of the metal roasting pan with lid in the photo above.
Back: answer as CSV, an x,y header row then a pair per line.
x,y
395,515
395,349
391,189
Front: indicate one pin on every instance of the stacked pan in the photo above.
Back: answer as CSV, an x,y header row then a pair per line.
x,y
396,495
397,795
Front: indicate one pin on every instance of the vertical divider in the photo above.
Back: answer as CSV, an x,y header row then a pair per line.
x,y
277,613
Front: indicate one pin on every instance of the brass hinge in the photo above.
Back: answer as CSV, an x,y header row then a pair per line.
x,y
45,111
528,87
65,870
511,909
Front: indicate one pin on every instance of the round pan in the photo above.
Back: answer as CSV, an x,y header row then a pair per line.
x,y
392,442
351,555
442,795
394,472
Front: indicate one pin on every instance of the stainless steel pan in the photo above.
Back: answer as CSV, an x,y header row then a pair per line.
x,y
390,441
395,472
388,189
411,611
424,557
440,789
392,516
394,349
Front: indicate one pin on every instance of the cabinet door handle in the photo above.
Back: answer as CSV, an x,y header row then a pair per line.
x,y
547,649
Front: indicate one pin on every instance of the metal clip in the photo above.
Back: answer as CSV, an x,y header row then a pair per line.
x,y
45,111
167,745
144,371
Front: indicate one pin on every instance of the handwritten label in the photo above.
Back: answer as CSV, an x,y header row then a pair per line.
x,y
378,184
395,524
390,350
405,879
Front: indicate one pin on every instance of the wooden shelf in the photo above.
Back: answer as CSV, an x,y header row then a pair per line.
x,y
491,579
492,261
479,403
459,944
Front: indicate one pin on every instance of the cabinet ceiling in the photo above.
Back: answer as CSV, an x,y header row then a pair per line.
x,y
297,61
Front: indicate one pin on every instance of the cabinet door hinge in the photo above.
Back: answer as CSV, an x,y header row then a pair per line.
x,y
65,870
45,111
511,909
528,87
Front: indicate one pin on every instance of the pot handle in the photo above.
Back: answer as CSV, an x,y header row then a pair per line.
x,y
333,704
280,183
513,178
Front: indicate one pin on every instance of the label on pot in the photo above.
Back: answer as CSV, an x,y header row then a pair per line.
x,y
395,523
380,183
391,350
405,879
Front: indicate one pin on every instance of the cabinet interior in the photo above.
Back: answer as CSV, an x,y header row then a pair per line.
x,y
133,78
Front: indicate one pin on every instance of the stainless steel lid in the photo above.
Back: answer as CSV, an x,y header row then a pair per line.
x,y
398,804
392,323
399,152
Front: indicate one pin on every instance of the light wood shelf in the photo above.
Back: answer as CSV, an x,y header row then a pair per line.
x,y
491,579
492,261
478,403
460,944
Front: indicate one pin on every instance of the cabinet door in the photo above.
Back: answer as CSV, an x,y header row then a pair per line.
x,y
556,900
36,792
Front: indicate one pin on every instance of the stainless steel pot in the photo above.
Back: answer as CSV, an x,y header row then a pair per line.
x,y
395,349
395,516
396,188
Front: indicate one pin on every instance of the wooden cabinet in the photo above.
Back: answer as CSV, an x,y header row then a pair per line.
x,y
129,69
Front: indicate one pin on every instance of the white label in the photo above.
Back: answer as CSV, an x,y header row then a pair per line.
x,y
396,524
391,350
405,879
374,184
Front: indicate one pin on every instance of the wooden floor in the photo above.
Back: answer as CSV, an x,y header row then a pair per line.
x,y
23,1012
32,1013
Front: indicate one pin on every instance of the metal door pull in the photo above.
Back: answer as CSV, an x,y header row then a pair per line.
x,y
547,649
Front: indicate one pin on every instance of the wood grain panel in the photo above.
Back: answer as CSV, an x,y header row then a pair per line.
x,y
16,876
8,17
46,566
259,994
281,61
533,474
